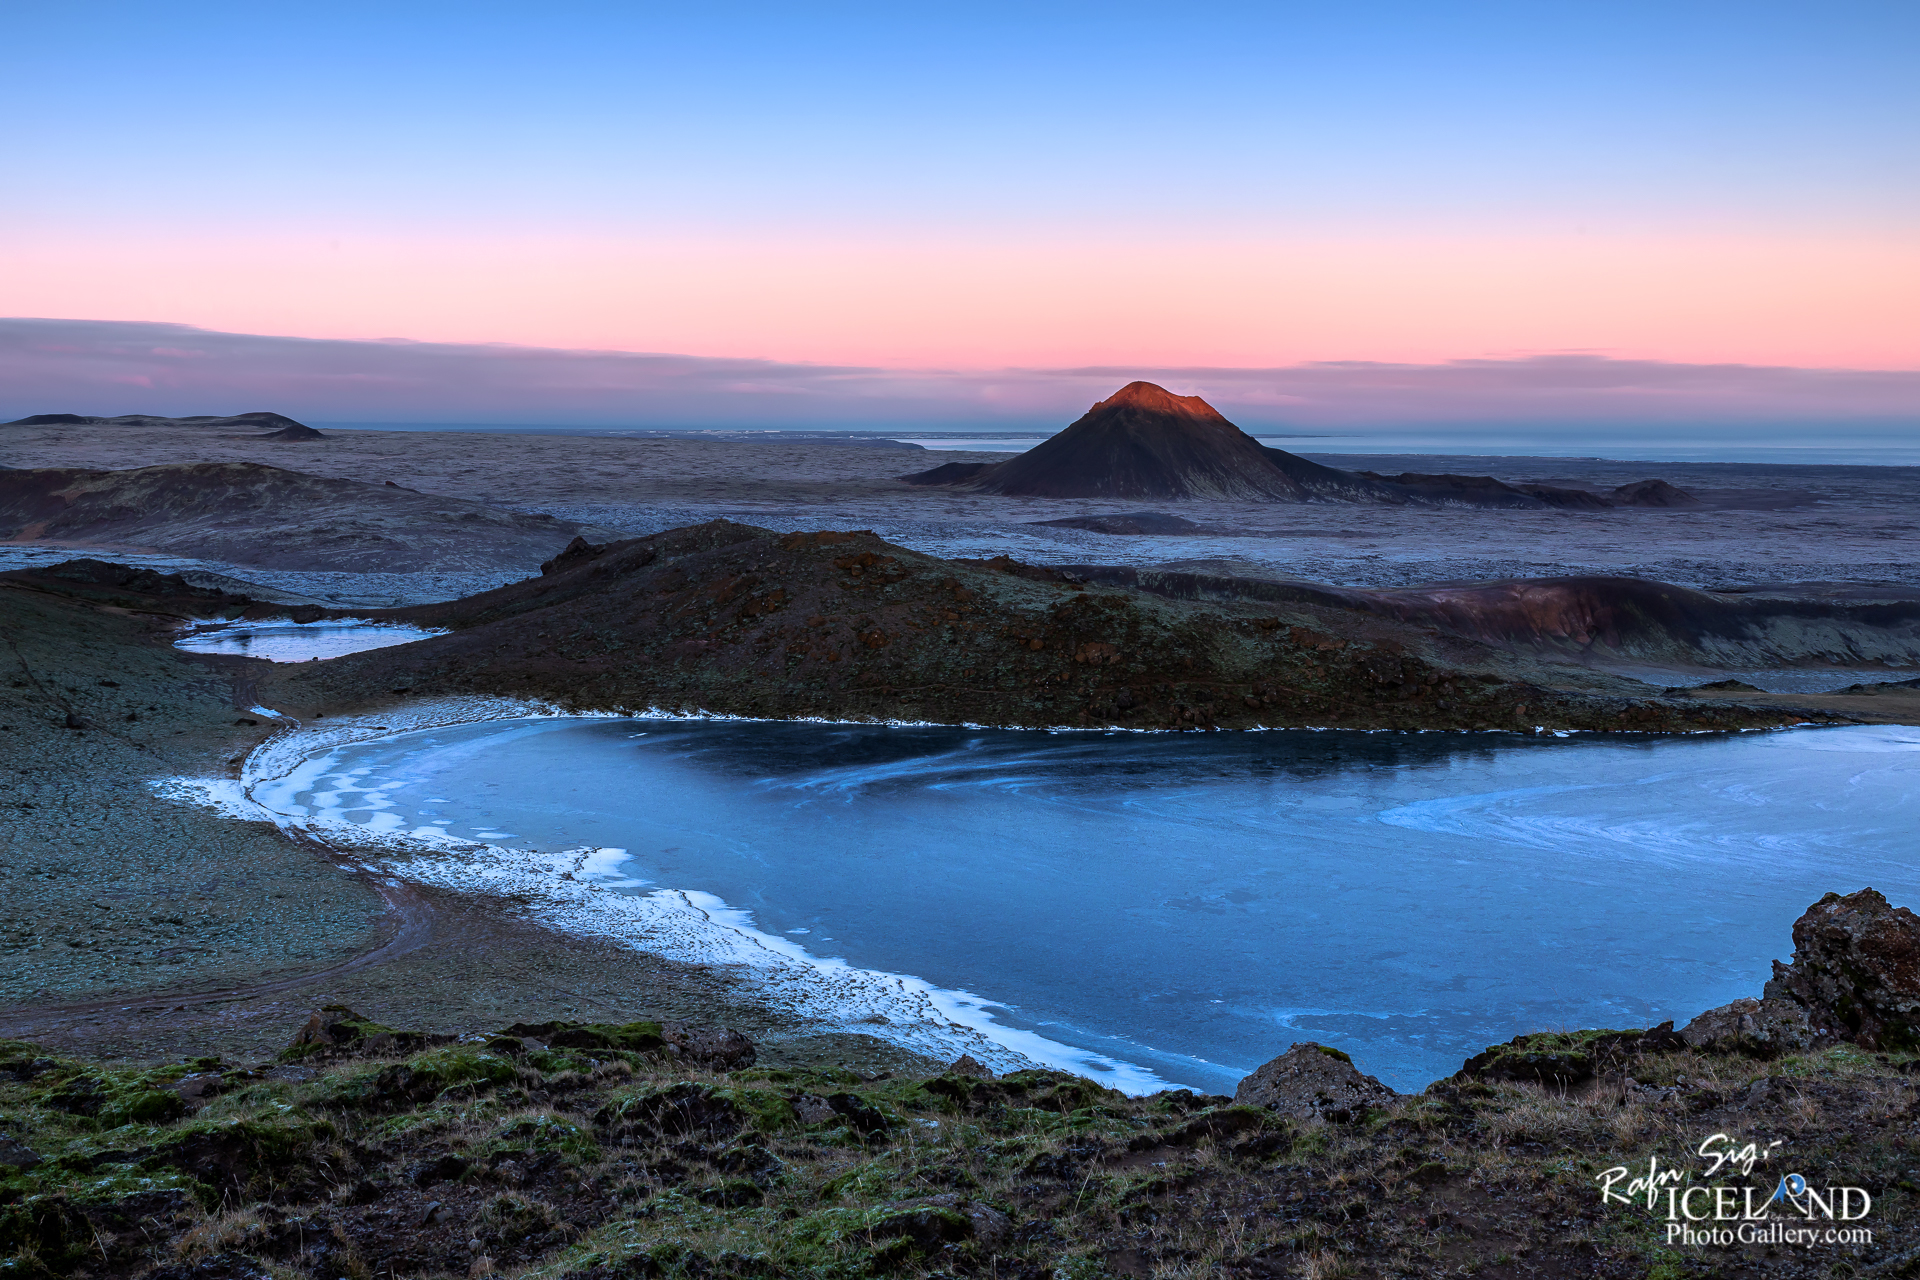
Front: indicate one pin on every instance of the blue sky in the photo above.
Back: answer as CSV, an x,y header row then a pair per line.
x,y
1194,115
980,188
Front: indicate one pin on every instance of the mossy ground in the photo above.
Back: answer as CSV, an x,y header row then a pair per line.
x,y
469,1159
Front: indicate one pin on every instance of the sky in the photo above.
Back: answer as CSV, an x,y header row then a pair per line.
x,y
937,202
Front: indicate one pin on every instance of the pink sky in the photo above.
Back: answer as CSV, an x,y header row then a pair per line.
x,y
110,367
981,303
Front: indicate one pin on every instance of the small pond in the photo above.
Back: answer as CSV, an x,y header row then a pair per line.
x,y
283,641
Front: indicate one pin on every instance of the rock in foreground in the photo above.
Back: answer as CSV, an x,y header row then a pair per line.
x,y
1758,1028
1855,970
1313,1081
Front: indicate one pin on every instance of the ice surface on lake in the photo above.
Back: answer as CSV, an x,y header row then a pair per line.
x,y
282,641
1195,903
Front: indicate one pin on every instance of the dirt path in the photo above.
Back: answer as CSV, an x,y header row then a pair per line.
x,y
412,922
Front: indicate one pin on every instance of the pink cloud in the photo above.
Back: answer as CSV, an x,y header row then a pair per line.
x,y
87,366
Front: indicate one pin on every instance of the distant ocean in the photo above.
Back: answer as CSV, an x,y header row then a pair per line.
x,y
1807,447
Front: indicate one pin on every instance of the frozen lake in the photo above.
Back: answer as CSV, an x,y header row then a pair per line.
x,y
282,641
1193,904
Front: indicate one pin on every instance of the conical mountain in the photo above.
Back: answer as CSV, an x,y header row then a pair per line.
x,y
1145,442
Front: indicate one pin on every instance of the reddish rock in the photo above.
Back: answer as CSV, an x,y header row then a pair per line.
x,y
1855,970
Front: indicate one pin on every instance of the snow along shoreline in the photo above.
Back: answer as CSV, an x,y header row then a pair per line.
x,y
583,891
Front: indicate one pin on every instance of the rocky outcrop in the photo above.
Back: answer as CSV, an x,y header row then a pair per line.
x,y
1653,493
716,1048
575,554
337,1030
1588,618
1449,489
1855,970
1158,523
1311,1080
1757,1028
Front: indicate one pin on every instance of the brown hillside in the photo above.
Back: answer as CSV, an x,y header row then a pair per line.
x,y
732,619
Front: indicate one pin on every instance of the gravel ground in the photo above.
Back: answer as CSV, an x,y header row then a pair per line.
x,y
110,889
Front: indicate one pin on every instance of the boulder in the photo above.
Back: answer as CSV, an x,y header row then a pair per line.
x,y
1855,970
336,1026
716,1048
811,1109
1313,1080
943,1219
337,1030
572,556
968,1065
15,1154
1757,1028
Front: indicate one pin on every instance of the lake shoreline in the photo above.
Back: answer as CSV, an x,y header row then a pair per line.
x,y
356,788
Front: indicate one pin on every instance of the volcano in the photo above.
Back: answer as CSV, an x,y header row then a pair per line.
x,y
1145,442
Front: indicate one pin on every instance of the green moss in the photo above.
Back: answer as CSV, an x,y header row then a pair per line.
x,y
1039,1120
346,1027
248,1154
144,1106
877,1179
1334,1053
421,1078
552,1062
544,1133
630,1037
763,1108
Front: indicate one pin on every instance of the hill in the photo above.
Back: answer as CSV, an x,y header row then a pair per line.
x,y
261,420
250,514
731,619
1145,442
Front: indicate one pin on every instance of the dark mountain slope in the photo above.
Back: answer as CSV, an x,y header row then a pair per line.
x,y
1576,618
727,618
1145,442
